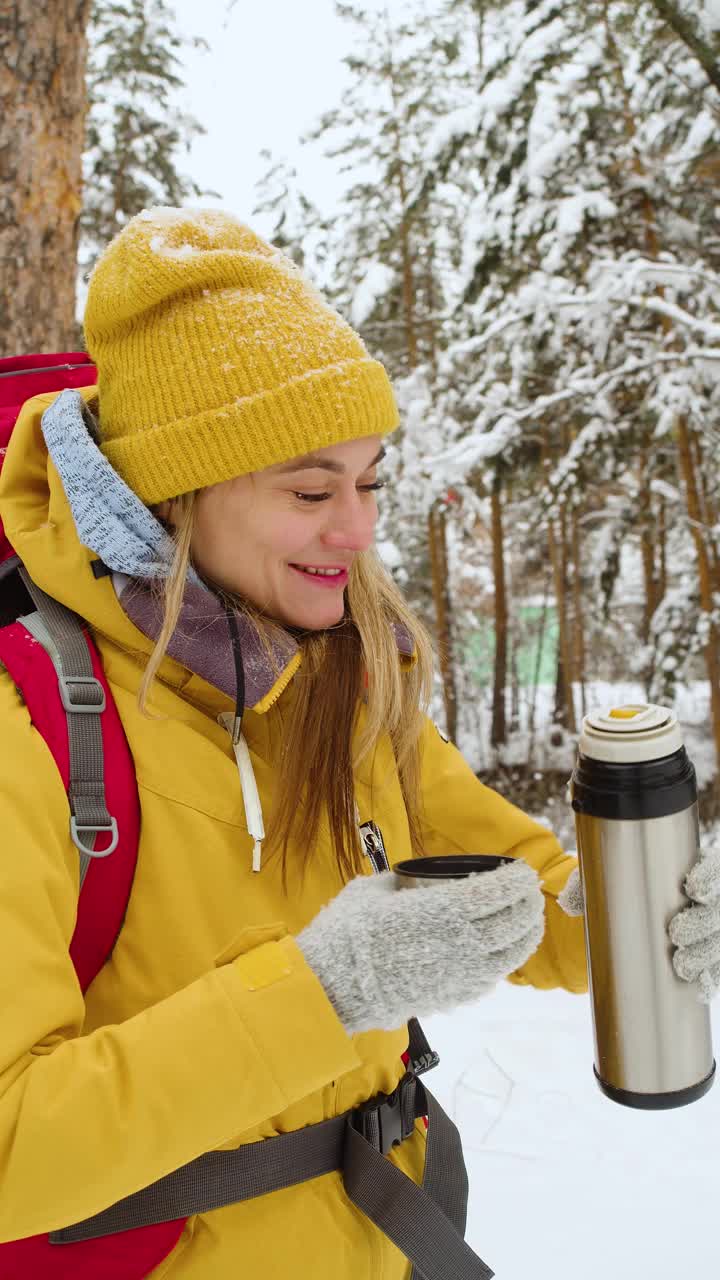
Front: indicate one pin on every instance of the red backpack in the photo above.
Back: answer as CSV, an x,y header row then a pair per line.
x,y
53,698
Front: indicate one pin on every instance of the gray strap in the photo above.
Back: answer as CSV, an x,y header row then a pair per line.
x,y
422,1057
220,1178
426,1223
83,697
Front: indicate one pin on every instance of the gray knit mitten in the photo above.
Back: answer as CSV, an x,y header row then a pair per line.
x,y
384,954
571,897
694,931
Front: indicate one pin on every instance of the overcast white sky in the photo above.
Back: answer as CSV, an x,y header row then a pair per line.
x,y
272,68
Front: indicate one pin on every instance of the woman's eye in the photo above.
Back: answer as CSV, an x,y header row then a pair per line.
x,y
322,497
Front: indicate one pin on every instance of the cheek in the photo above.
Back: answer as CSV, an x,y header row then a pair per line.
x,y
222,529
288,535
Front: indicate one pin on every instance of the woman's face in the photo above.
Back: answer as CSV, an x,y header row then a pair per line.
x,y
285,538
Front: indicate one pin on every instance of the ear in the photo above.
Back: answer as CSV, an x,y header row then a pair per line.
x,y
163,512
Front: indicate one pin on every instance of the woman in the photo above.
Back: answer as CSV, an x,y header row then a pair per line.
x,y
262,983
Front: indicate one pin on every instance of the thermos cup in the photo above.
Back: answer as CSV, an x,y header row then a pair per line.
x,y
635,800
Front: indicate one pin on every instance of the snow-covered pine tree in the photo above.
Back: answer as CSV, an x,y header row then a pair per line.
x,y
383,260
564,184
135,132
574,119
292,221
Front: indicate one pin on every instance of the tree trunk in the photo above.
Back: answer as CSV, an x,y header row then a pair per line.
x,y
498,730
662,550
577,613
439,573
43,52
557,546
705,573
532,711
478,7
652,548
408,278
430,304
514,686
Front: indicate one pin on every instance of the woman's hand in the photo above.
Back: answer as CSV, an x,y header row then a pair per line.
x,y
384,954
694,931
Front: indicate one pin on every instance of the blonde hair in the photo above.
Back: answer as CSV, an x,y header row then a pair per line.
x,y
356,661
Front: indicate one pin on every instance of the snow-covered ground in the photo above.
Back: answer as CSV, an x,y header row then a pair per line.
x,y
564,1184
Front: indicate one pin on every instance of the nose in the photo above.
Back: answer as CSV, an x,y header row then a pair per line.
x,y
350,527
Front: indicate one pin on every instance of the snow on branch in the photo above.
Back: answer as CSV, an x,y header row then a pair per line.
x,y
475,449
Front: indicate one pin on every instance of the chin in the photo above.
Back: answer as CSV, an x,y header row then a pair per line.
x,y
313,621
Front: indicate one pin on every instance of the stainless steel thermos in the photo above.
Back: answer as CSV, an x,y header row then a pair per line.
x,y
635,800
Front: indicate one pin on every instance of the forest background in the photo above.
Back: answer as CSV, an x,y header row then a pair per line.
x,y
527,234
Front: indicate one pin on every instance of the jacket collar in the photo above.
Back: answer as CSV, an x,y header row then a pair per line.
x,y
202,643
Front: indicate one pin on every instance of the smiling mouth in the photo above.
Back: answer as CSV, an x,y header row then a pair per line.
x,y
322,576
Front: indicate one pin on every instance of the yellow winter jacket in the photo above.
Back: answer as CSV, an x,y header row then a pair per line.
x,y
206,1029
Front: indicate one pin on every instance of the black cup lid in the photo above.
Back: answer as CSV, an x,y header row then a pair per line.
x,y
456,866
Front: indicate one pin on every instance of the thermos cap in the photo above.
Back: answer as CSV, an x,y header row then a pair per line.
x,y
629,733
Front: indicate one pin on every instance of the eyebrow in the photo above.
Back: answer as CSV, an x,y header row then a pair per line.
x,y
316,462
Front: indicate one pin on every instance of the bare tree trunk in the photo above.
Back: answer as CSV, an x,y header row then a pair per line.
x,y
532,710
558,557
662,550
441,598
651,548
498,730
577,612
479,7
704,470
430,303
514,686
705,573
408,280
43,51
557,546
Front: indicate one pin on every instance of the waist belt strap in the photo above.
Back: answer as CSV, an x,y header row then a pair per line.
x,y
427,1223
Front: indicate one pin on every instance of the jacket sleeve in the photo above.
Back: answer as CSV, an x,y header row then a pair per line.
x,y
461,815
87,1119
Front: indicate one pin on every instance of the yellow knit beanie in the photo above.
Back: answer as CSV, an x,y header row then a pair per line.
x,y
215,356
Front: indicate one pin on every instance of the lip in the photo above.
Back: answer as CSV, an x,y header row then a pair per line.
x,y
336,583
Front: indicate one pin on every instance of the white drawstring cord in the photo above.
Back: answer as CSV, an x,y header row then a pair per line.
x,y
250,793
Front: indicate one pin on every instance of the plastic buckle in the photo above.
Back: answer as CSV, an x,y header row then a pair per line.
x,y
425,1062
380,1119
65,685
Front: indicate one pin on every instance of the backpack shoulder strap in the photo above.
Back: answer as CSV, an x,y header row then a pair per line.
x,y
83,698
57,669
